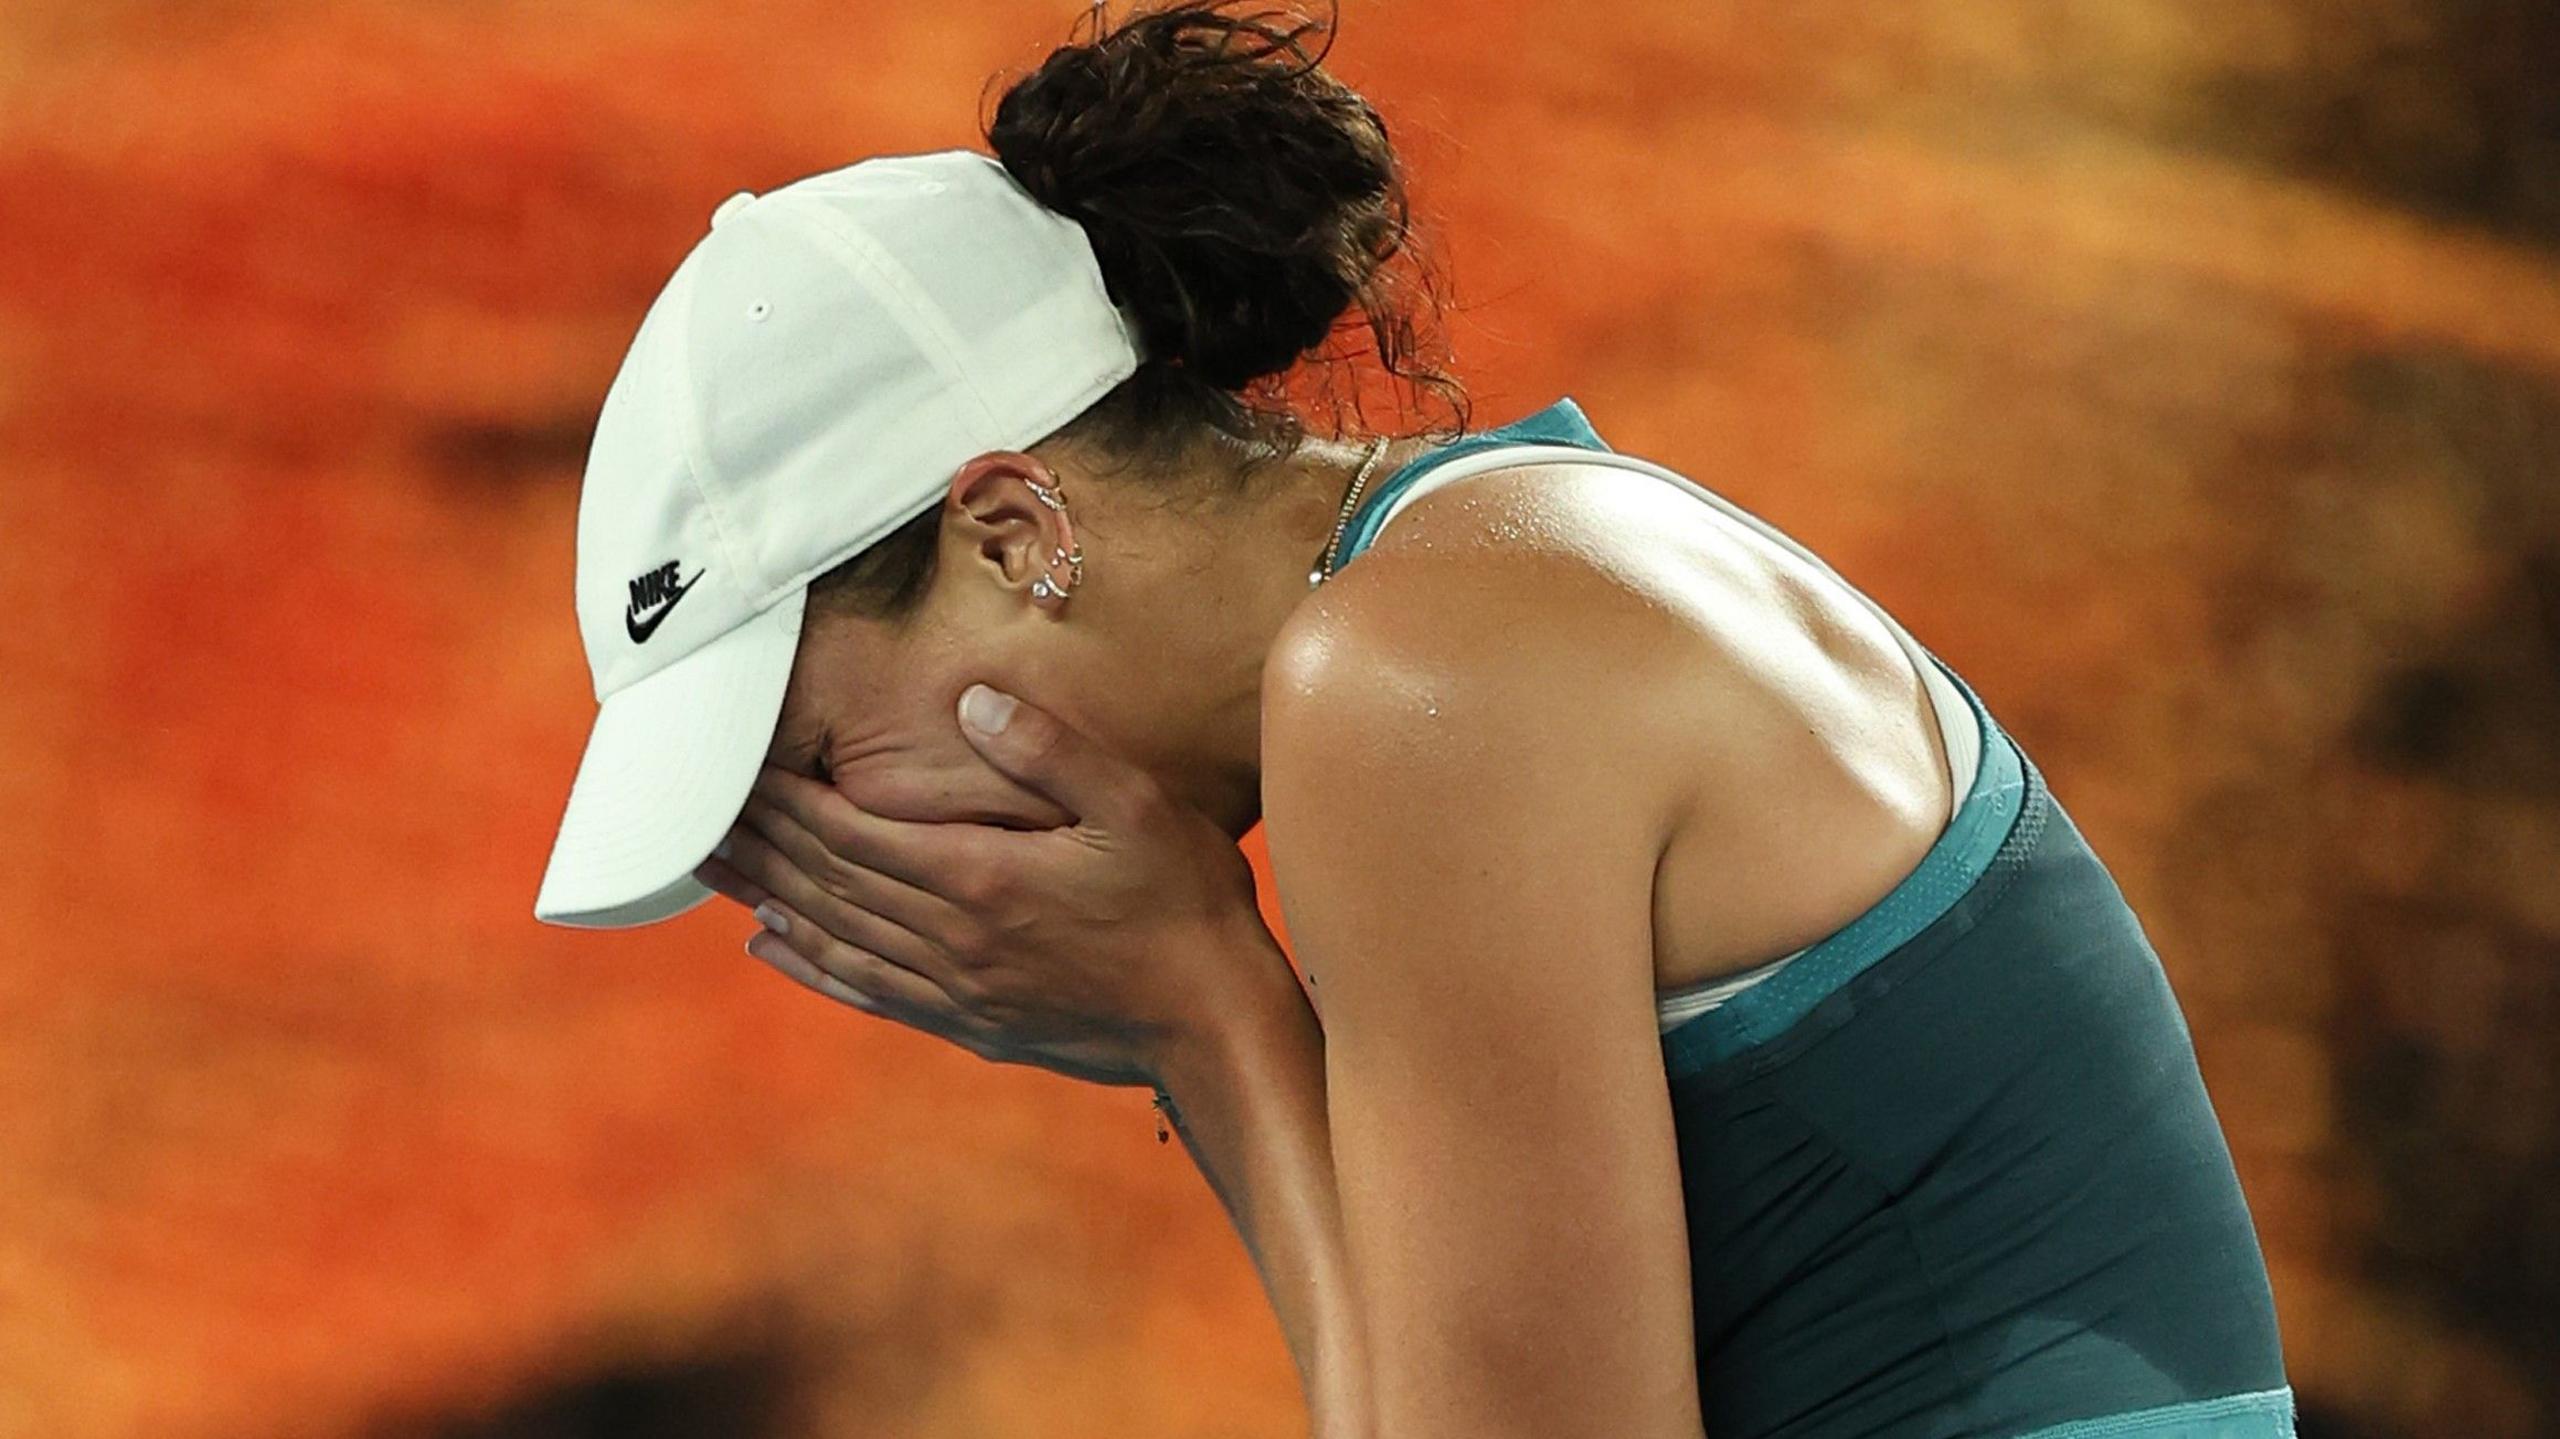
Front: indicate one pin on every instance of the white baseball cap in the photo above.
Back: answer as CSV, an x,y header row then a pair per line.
x,y
814,372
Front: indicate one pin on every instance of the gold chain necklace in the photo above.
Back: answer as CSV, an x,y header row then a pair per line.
x,y
1350,502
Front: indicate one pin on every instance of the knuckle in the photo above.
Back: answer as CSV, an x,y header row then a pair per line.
x,y
1043,746
999,1008
968,985
843,965
839,878
982,886
1145,799
966,938
996,885
960,880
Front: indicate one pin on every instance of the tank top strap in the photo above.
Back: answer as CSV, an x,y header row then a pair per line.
x,y
1983,796
1562,432
1561,423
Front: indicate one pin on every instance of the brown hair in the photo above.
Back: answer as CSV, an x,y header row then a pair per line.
x,y
1247,213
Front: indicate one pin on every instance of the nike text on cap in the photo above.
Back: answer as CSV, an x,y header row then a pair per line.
x,y
813,373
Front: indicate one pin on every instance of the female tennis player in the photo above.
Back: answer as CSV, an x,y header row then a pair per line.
x,y
1711,1022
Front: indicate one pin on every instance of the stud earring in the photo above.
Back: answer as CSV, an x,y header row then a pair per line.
x,y
1048,589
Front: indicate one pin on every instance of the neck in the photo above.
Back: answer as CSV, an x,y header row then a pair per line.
x,y
1259,581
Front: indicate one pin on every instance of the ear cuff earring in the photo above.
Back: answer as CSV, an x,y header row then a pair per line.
x,y
1044,588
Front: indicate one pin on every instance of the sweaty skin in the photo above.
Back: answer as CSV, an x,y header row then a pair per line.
x,y
1554,742
1560,738
1699,660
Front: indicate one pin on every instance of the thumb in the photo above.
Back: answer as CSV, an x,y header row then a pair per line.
x,y
1035,747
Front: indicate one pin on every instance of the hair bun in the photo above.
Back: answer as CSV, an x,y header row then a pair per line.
x,y
1239,200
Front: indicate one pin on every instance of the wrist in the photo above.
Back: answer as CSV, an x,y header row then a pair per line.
x,y
1236,1034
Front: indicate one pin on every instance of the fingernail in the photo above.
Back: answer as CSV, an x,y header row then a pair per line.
x,y
986,710
772,918
764,946
721,850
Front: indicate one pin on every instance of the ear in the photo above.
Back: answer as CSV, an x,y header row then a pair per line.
x,y
1011,536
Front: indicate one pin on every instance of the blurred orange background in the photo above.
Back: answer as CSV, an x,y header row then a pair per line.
x,y
2187,372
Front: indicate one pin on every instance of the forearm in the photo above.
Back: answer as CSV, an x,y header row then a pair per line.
x,y
1248,1100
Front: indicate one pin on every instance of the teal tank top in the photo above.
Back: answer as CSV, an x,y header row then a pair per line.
x,y
1953,1171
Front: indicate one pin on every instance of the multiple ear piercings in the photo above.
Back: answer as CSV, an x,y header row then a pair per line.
x,y
1045,588
1072,555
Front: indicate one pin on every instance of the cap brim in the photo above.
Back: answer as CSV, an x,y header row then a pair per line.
x,y
666,771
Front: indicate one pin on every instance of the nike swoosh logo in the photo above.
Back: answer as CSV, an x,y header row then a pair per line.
x,y
641,629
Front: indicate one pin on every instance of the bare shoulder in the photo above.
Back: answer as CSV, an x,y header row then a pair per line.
x,y
1482,630
1521,585
1454,750
1585,652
